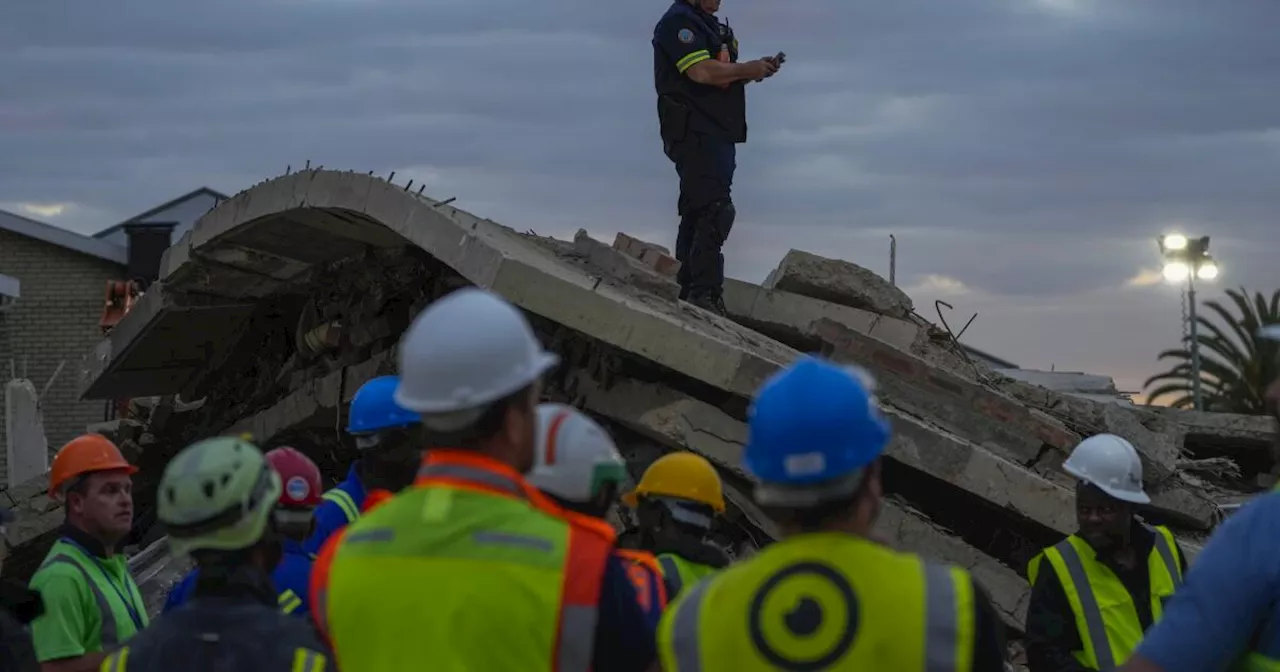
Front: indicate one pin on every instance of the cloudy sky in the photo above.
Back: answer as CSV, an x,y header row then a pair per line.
x,y
1025,153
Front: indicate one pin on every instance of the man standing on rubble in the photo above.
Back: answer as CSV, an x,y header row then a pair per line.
x,y
826,597
702,115
1096,592
471,550
386,436
1227,614
91,603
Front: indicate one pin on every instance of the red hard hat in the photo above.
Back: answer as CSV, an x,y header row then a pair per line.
x,y
299,476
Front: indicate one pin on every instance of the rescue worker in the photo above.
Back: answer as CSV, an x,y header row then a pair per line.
x,y
91,603
386,436
299,496
579,467
19,605
702,115
218,499
472,568
1226,615
1095,593
676,501
825,597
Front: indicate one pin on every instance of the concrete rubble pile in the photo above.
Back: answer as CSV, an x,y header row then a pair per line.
x,y
286,298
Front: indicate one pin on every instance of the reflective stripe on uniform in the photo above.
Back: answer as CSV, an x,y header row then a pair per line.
x,y
464,473
948,638
692,59
116,661
289,601
306,660
344,502
1095,636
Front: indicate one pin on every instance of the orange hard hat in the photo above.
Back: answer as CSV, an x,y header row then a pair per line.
x,y
82,455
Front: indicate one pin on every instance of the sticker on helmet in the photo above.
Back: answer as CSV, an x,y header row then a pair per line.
x,y
297,488
685,35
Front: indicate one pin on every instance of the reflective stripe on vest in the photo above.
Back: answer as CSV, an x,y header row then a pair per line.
x,y
116,661
344,501
110,635
1108,642
947,641
478,517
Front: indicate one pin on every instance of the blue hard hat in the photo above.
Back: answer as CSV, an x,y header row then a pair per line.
x,y
814,421
374,408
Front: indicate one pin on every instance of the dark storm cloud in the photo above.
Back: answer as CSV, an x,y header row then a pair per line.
x,y
1030,149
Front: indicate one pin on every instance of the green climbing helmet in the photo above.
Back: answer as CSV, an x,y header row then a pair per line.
x,y
217,494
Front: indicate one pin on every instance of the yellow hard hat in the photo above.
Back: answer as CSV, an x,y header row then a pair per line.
x,y
681,475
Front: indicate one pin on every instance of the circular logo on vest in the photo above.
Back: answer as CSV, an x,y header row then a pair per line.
x,y
685,35
297,488
804,618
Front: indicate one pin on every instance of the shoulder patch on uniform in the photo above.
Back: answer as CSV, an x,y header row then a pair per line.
x,y
685,35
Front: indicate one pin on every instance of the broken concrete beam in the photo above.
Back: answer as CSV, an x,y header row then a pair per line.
x,y
670,418
1224,431
311,218
621,268
791,317
837,281
653,256
118,431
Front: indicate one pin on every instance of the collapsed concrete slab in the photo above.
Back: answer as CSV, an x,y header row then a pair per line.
x,y
321,271
839,282
967,410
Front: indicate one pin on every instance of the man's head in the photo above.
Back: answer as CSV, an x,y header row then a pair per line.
x,y
387,435
708,6
471,365
94,482
576,463
1110,486
217,498
679,495
815,437
299,493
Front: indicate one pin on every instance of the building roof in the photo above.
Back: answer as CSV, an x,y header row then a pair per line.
x,y
202,191
63,238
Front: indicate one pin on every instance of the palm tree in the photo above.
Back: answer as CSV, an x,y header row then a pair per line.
x,y
1235,365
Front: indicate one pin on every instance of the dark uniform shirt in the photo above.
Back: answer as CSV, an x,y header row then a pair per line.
x,y
18,607
236,625
1051,625
684,37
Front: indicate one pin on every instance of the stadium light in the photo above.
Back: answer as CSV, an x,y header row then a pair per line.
x,y
1187,259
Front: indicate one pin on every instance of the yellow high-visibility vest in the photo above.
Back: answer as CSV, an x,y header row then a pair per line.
x,y
436,573
678,573
1106,617
825,601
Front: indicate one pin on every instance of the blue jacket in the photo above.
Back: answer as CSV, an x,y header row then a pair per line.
x,y
341,505
292,579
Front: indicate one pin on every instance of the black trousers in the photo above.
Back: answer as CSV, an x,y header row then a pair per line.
x,y
705,165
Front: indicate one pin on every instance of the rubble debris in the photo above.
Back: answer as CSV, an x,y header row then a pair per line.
x,y
972,473
840,282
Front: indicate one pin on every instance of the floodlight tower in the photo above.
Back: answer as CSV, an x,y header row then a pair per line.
x,y
1188,259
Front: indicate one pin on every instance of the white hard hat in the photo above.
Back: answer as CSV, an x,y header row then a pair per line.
x,y
1271,331
574,456
466,351
1112,464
